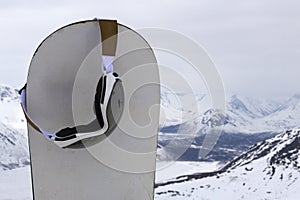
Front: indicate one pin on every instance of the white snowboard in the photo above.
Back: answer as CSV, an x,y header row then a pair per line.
x,y
61,85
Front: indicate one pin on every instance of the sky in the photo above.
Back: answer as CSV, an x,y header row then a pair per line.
x,y
254,44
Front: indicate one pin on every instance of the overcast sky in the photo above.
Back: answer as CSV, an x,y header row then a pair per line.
x,y
255,44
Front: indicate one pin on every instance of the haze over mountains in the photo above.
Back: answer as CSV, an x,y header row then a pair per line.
x,y
243,114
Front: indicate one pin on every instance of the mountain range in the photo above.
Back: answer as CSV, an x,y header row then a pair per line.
x,y
247,121
243,114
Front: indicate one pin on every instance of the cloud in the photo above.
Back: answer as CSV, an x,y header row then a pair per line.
x,y
253,43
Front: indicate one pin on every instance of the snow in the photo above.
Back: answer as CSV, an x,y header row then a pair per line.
x,y
13,136
247,178
236,185
11,112
169,170
15,184
253,175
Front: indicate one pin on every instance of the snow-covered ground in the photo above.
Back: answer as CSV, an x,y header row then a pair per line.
x,y
170,170
15,184
253,175
269,170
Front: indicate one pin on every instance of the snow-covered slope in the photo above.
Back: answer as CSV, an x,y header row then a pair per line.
x,y
268,170
168,170
16,184
13,137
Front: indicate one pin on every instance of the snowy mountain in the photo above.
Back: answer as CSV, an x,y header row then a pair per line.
x,y
246,122
13,137
262,115
268,170
243,114
287,116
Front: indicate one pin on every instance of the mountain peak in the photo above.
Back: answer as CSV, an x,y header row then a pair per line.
x,y
7,92
283,149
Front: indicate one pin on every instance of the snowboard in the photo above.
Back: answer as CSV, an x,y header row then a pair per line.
x,y
60,93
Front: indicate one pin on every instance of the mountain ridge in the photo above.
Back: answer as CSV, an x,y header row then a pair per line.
x,y
13,137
